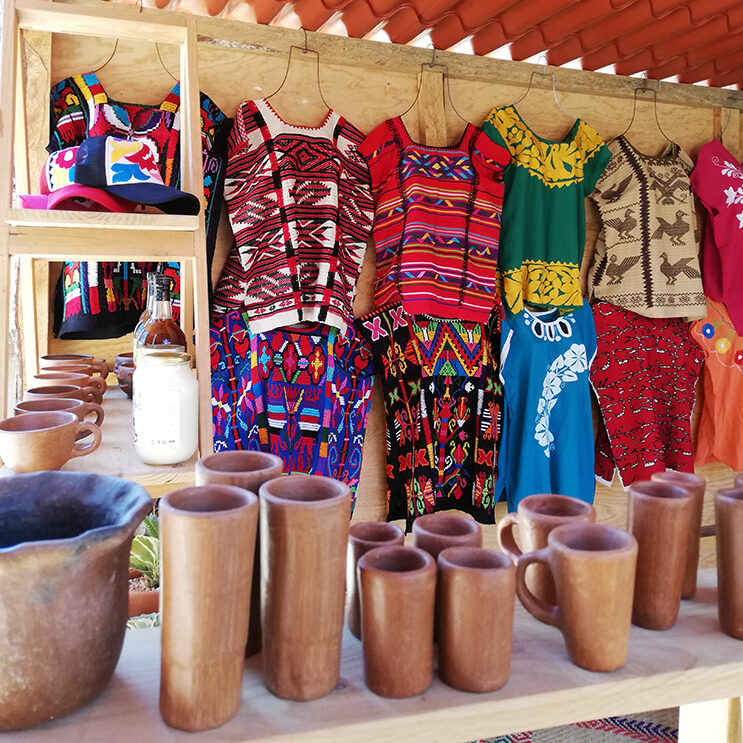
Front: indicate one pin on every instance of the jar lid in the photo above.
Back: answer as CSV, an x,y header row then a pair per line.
x,y
166,357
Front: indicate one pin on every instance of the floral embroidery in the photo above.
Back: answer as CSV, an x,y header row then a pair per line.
x,y
552,330
732,195
543,283
709,330
722,345
565,368
556,164
739,358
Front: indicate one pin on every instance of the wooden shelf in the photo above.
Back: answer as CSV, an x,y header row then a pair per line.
x,y
691,662
44,218
116,456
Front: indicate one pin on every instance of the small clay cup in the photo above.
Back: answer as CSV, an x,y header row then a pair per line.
x,y
248,470
88,369
52,379
475,588
437,531
362,537
696,486
51,404
398,594
208,544
52,360
66,391
536,516
121,359
125,375
44,441
304,531
738,480
594,571
729,521
659,516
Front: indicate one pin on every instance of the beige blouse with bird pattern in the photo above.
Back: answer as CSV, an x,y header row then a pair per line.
x,y
646,257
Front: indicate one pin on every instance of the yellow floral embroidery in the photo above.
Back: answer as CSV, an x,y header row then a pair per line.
x,y
555,164
544,284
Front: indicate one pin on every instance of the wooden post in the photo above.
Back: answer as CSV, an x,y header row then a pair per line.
x,y
431,111
717,721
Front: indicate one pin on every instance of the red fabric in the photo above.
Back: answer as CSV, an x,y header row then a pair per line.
x,y
717,180
644,376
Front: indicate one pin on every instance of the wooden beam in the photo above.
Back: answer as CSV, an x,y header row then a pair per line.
x,y
431,111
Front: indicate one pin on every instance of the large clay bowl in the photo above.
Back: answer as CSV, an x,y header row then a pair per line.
x,y
64,582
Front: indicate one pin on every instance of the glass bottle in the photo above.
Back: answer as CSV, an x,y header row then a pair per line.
x,y
146,313
159,329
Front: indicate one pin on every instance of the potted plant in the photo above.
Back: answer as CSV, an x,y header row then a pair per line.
x,y
144,570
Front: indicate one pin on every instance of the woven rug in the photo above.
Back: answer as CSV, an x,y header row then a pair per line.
x,y
650,727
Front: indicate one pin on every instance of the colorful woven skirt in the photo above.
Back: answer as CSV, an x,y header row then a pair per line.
x,y
443,403
644,375
301,393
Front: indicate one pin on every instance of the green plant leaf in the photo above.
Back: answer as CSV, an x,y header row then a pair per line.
x,y
145,557
151,526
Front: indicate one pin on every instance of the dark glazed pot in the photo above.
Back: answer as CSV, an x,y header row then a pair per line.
x,y
64,582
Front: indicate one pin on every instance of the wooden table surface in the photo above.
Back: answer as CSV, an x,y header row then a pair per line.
x,y
691,662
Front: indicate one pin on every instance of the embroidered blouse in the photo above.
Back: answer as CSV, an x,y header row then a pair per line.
x,y
300,207
105,300
646,260
717,180
437,222
544,218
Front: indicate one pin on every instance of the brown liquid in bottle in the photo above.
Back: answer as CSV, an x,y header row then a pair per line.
x,y
160,328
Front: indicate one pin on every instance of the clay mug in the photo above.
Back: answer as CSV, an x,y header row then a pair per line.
x,y
44,441
696,486
304,531
398,594
476,588
51,379
738,480
536,516
52,360
659,516
434,532
66,391
593,567
729,521
122,358
88,369
248,470
124,375
208,543
78,407
362,537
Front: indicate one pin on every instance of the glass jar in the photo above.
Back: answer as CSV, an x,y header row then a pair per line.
x,y
165,409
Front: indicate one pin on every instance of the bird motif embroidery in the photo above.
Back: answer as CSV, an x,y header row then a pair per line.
x,y
615,271
614,192
665,188
672,270
675,231
623,226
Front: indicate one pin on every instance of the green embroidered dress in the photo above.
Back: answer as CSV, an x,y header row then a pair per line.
x,y
543,230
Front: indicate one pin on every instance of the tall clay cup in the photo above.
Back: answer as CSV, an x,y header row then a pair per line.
x,y
729,521
362,537
696,486
44,441
208,541
659,516
738,481
536,517
475,588
248,470
398,594
304,530
437,531
593,567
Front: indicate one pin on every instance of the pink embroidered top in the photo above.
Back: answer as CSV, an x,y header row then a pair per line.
x,y
300,207
717,180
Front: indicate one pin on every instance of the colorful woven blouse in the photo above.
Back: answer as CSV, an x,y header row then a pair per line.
x,y
437,221
105,300
544,218
300,207
647,258
717,180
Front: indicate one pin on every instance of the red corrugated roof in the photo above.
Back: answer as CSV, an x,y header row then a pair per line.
x,y
693,40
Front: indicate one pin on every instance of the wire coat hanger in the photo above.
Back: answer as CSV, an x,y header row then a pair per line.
x,y
544,73
303,50
647,89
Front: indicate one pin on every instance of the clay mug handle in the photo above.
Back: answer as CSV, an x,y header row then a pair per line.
x,y
543,611
98,382
506,540
100,367
93,407
78,450
90,394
